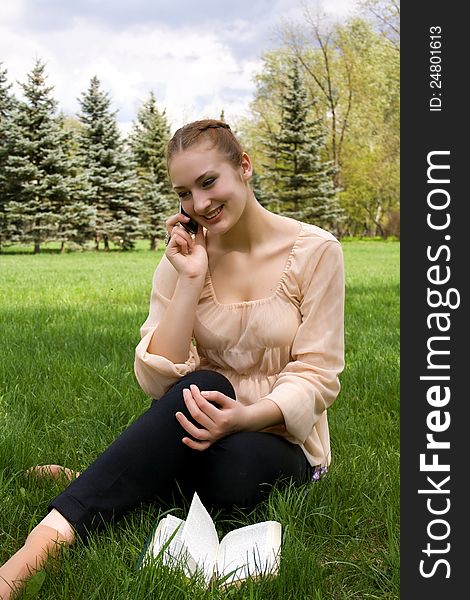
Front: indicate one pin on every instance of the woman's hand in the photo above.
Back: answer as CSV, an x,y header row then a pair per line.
x,y
186,253
216,421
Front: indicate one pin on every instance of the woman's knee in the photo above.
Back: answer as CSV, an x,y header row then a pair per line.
x,y
205,380
172,401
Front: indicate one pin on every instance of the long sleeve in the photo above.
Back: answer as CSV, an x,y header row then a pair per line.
x,y
309,383
154,373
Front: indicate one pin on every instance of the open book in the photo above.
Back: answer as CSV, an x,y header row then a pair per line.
x,y
193,544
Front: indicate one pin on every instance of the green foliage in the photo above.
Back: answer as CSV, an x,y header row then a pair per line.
x,y
265,117
351,76
148,142
7,103
301,182
110,170
42,187
67,342
371,154
34,585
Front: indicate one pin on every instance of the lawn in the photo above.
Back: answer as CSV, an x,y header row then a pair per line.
x,y
69,326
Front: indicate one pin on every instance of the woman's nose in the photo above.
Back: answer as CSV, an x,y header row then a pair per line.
x,y
200,202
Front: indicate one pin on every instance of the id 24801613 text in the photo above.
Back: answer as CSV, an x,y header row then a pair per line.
x,y
435,68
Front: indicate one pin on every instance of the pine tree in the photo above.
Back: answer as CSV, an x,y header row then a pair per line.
x,y
77,217
148,141
7,103
303,180
39,186
110,170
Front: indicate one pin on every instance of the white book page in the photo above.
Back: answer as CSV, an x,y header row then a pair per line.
x,y
200,537
252,551
173,550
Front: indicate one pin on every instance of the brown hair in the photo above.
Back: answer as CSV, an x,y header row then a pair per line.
x,y
218,133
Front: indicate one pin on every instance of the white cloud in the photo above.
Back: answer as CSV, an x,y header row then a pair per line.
x,y
190,72
11,11
195,71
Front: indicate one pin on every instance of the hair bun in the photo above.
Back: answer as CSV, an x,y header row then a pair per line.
x,y
215,126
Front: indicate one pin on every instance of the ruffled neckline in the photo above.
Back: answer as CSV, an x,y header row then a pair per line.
x,y
284,274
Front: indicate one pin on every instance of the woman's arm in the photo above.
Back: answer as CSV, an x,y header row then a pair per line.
x,y
172,337
173,334
165,352
155,372
309,383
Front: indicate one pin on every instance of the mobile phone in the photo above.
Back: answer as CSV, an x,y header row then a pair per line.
x,y
191,225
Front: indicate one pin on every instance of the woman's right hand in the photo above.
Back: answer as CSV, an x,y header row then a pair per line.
x,y
186,253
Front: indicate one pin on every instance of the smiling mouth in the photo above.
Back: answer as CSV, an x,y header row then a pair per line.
x,y
215,213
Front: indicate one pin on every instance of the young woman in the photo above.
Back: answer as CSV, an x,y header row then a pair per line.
x,y
241,352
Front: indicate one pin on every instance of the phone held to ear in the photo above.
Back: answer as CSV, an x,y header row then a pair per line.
x,y
191,225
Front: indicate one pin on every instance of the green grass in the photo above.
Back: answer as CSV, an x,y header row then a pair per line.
x,y
69,326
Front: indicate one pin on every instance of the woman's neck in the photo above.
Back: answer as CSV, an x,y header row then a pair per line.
x,y
255,227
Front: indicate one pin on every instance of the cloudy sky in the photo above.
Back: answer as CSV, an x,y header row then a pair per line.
x,y
198,57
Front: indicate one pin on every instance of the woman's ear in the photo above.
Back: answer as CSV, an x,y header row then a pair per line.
x,y
247,167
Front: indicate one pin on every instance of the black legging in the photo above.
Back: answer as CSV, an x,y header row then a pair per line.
x,y
148,461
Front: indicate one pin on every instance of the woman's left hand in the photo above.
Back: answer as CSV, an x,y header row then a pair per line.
x,y
216,421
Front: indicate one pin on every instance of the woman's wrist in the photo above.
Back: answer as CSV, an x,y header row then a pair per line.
x,y
190,287
172,337
192,281
261,415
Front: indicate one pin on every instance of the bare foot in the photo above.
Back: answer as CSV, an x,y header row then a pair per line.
x,y
53,471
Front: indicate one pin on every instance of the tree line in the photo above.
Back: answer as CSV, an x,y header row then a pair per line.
x,y
76,180
323,132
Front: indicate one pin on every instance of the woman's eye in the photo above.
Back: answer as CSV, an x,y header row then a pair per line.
x,y
183,194
208,182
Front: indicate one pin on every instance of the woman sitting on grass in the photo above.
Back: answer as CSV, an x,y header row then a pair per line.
x,y
242,407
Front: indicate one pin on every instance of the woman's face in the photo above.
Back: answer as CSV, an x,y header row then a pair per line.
x,y
210,188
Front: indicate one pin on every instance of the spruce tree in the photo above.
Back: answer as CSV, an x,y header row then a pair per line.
x,y
148,141
7,103
77,221
39,185
303,180
110,171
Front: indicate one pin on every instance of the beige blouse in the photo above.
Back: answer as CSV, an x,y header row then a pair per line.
x,y
287,347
